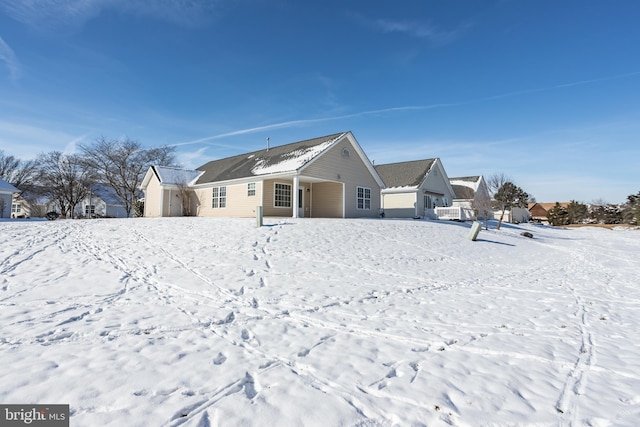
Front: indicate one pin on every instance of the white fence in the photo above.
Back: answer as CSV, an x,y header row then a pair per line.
x,y
451,213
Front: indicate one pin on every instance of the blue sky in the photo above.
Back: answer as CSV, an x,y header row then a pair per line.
x,y
547,92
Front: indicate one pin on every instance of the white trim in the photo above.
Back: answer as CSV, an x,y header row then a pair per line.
x,y
364,198
294,196
274,195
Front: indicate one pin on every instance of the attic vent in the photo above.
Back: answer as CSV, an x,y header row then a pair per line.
x,y
345,153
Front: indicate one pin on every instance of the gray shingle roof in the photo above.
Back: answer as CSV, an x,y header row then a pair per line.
x,y
264,161
404,174
463,192
466,178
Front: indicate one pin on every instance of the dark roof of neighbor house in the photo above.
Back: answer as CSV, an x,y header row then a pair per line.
x,y
464,187
463,192
404,174
282,158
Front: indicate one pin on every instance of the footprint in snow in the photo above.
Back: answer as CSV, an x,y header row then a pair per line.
x,y
219,359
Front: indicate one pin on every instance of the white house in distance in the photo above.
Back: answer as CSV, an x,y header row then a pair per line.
x,y
6,198
102,202
415,189
326,177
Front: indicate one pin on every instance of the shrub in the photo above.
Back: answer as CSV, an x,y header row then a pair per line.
x,y
52,216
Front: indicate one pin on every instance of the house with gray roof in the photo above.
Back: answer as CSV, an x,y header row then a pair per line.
x,y
414,189
471,193
102,202
6,197
325,177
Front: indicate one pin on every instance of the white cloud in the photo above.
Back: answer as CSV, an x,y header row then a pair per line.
x,y
71,15
421,30
9,57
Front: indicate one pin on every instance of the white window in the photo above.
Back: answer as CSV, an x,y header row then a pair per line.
x,y
219,197
363,198
16,207
445,202
251,189
89,209
282,195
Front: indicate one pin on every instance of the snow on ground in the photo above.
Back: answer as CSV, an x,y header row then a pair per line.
x,y
311,322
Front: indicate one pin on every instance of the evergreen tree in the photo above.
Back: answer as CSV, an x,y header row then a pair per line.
x,y
577,212
631,210
558,215
508,196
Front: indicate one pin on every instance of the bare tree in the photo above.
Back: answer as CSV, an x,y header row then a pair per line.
x,y
122,164
185,193
482,205
495,181
66,178
21,174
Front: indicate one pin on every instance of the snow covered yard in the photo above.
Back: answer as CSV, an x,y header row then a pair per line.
x,y
214,322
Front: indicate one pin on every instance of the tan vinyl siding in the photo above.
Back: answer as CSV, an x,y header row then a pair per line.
x,y
239,204
400,205
350,170
326,200
152,198
435,182
269,196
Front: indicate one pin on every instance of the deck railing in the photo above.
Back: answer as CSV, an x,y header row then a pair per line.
x,y
450,213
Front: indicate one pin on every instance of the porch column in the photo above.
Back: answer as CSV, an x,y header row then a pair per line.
x,y
296,187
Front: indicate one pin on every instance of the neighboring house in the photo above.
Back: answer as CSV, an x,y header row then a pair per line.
x,y
415,189
538,211
20,207
471,192
6,199
102,202
326,177
513,215
165,189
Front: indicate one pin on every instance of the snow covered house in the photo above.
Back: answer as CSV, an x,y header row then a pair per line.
x,y
415,189
6,198
470,193
326,177
168,191
102,202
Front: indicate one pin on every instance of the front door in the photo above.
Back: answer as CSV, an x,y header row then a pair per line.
x,y
301,202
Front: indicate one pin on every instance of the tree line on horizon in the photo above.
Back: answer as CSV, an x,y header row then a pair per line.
x,y
64,180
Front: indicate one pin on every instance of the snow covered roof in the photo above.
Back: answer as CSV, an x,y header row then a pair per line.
x,y
107,194
5,187
465,187
176,176
279,159
405,174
